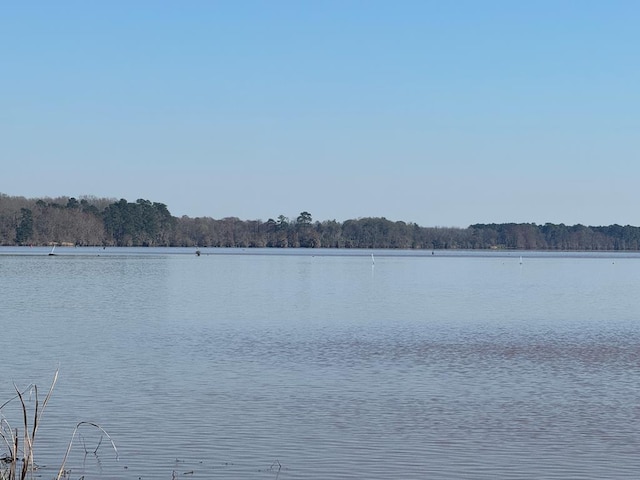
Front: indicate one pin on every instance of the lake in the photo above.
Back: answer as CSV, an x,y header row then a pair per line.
x,y
321,364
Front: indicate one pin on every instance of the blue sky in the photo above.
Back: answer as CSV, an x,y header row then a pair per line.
x,y
435,112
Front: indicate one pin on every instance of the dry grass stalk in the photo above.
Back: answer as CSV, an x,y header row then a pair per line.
x,y
10,437
29,438
75,431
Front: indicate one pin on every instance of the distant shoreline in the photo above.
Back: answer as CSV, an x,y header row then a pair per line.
x,y
91,221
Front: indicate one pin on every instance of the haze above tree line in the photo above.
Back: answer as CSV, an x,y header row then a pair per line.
x,y
92,221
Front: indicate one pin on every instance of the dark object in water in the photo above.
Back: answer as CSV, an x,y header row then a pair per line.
x,y
198,253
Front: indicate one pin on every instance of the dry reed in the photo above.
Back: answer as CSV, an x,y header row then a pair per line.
x,y
19,462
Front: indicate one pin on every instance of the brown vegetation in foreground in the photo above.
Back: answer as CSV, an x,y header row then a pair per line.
x,y
18,461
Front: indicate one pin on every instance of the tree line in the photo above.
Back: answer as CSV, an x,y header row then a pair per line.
x,y
92,221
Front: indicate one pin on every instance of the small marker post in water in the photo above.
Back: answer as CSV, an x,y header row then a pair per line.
x,y
521,260
373,260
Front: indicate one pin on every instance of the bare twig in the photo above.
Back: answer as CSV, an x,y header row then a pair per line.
x,y
75,431
273,465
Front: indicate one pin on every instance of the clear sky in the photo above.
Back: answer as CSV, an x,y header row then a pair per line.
x,y
443,113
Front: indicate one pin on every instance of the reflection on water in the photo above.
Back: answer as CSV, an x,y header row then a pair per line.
x,y
305,365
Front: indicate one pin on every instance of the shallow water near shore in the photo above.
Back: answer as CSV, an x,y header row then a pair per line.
x,y
298,364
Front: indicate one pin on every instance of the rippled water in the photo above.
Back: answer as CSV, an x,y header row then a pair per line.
x,y
264,364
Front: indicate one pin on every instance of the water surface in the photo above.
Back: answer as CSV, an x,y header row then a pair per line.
x,y
298,364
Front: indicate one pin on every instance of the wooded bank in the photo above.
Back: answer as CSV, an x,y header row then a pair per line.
x,y
98,221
